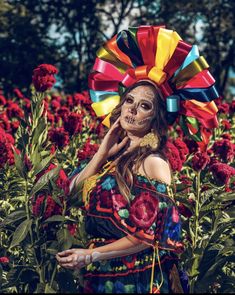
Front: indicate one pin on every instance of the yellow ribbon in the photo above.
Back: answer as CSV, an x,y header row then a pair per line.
x,y
156,252
106,106
167,41
209,107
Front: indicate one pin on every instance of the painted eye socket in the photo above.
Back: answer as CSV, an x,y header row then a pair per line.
x,y
146,106
129,100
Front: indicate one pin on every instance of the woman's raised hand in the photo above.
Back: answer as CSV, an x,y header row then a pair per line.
x,y
110,145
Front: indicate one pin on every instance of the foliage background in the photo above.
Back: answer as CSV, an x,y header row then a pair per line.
x,y
67,33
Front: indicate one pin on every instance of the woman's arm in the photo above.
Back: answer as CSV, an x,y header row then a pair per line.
x,y
110,146
92,168
77,258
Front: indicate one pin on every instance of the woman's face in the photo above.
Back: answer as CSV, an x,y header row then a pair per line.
x,y
138,109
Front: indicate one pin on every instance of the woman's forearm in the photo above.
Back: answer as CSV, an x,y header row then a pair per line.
x,y
125,246
92,168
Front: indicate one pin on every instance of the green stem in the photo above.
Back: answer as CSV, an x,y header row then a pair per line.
x,y
198,183
53,275
196,228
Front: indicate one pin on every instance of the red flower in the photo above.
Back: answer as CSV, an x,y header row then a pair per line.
x,y
18,93
173,156
226,136
232,107
223,108
73,123
192,145
143,210
88,150
13,110
15,125
4,260
55,104
6,152
69,101
50,117
182,148
63,181
200,160
43,77
3,100
27,104
4,122
183,210
223,149
226,124
63,112
72,228
222,172
83,98
46,207
59,137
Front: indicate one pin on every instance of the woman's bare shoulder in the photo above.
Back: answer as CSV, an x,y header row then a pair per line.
x,y
157,167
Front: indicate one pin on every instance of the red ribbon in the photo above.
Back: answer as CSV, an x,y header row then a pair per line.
x,y
202,79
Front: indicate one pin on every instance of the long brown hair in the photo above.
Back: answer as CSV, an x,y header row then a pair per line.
x,y
134,159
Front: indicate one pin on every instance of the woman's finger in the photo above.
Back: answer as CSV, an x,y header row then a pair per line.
x,y
66,252
123,142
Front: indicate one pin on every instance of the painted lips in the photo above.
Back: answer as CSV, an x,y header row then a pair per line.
x,y
130,120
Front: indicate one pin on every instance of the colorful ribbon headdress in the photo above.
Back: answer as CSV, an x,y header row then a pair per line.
x,y
159,55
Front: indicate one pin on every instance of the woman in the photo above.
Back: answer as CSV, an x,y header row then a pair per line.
x,y
126,255
142,79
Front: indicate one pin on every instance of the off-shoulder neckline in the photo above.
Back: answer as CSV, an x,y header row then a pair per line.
x,y
144,176
153,179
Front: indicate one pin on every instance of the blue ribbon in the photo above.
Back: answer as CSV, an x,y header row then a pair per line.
x,y
200,94
172,103
97,96
192,55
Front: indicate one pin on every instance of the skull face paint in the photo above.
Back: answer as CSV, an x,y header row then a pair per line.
x,y
138,109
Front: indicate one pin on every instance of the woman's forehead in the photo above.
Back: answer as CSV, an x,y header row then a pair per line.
x,y
145,91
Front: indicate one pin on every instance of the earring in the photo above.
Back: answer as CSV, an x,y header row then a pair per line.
x,y
150,139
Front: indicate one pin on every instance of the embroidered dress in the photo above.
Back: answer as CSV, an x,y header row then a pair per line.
x,y
151,216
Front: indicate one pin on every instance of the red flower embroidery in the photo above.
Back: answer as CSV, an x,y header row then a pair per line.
x,y
143,210
105,200
119,202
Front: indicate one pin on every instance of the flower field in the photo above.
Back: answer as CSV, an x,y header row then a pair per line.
x,y
45,137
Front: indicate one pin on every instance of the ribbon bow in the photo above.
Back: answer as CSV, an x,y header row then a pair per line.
x,y
157,54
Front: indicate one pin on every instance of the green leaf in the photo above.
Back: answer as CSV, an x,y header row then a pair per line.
x,y
21,233
229,196
35,156
19,165
44,180
42,165
64,238
49,289
14,274
40,128
55,218
40,288
13,217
